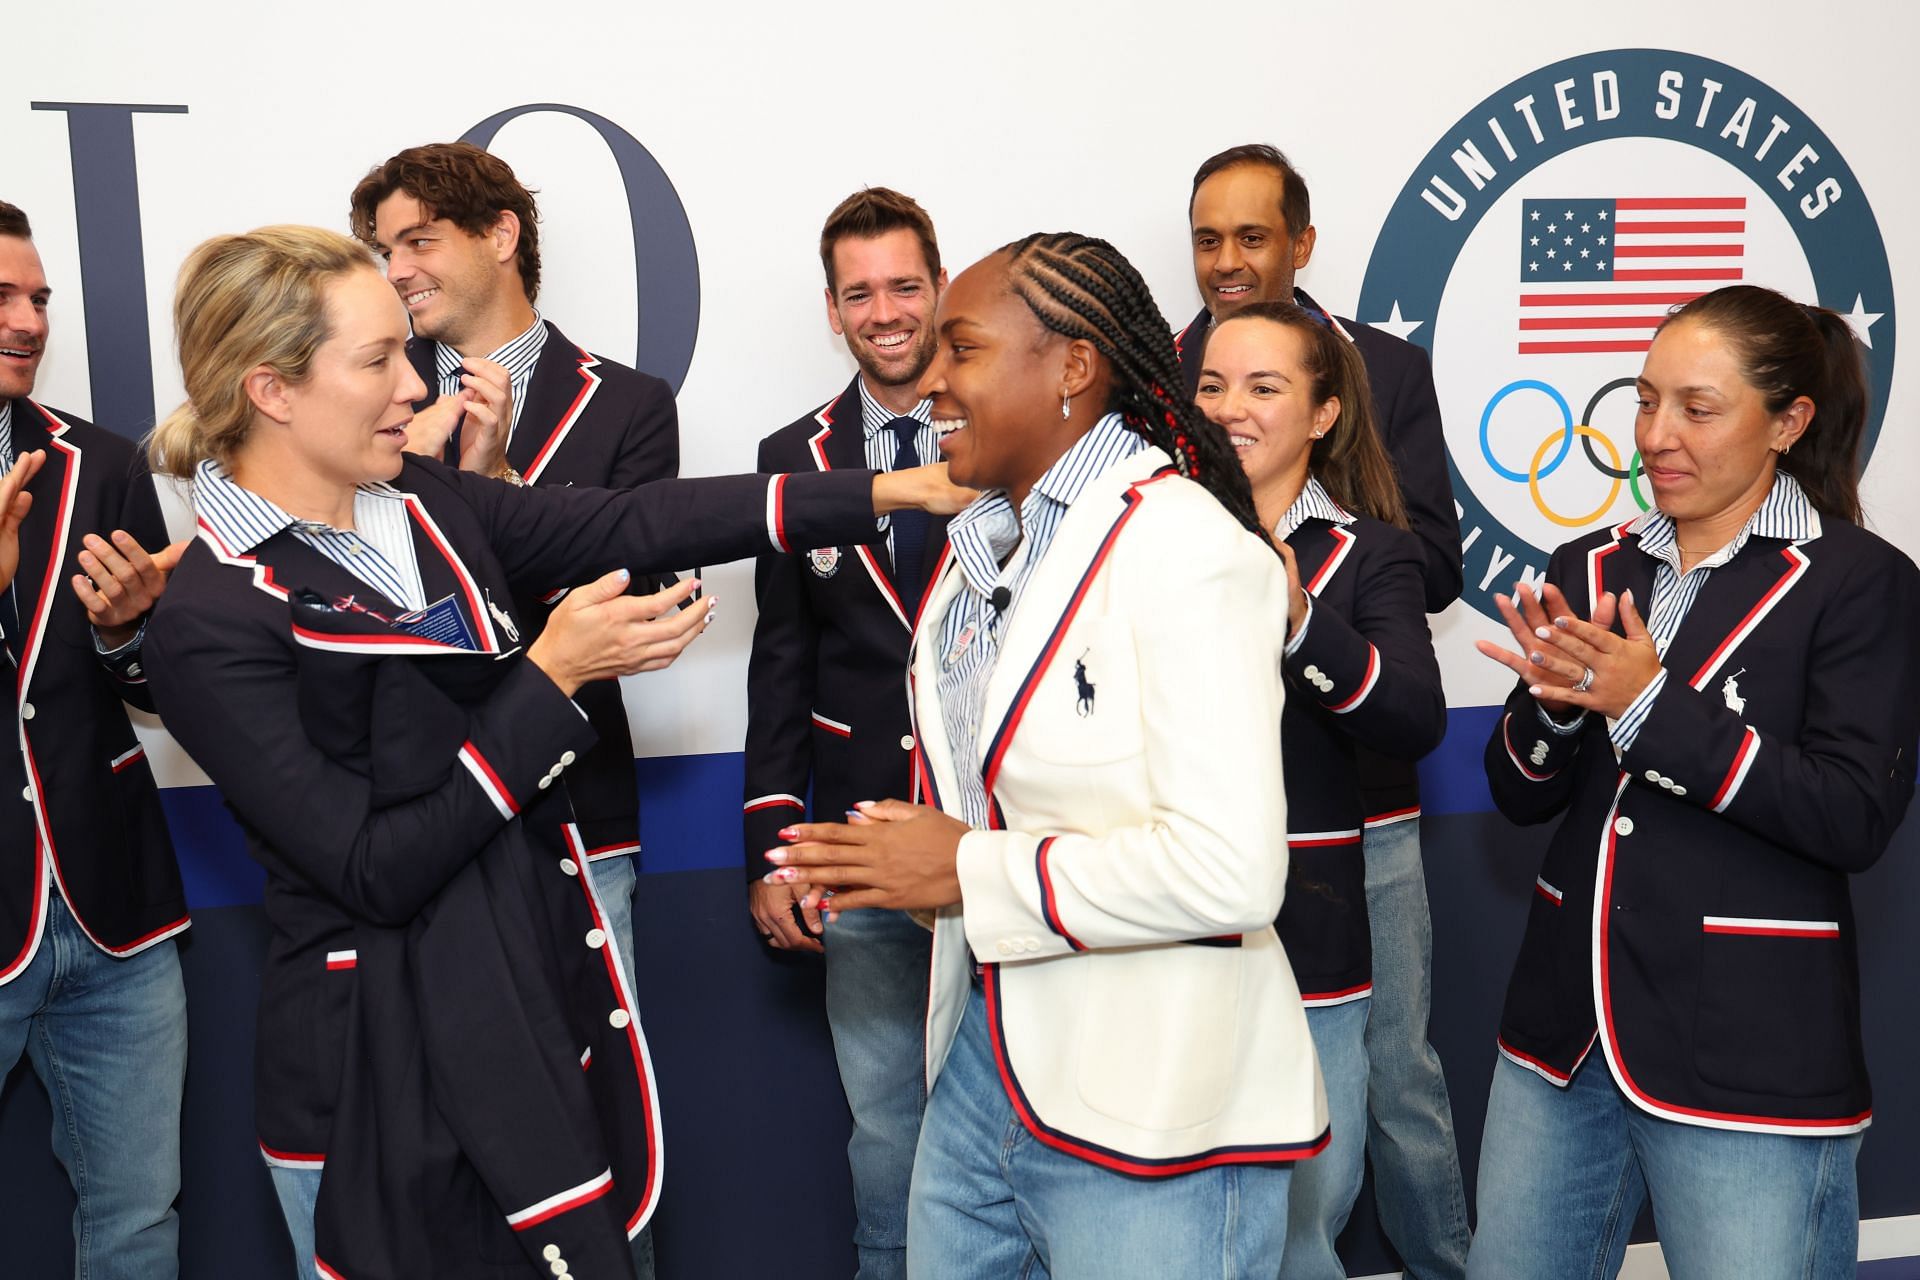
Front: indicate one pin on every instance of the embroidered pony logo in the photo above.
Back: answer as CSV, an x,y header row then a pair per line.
x,y
1731,692
1085,686
506,623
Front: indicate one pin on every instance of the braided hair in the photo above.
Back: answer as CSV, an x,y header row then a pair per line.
x,y
1083,288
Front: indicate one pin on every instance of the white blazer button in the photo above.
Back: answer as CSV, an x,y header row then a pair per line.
x,y
619,1019
596,938
1312,672
133,668
551,1252
567,758
1679,790
1623,825
1004,948
906,742
26,711
546,782
569,866
1653,775
559,1266
26,793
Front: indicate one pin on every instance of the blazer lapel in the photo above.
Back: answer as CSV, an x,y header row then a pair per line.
x,y
841,444
563,384
1053,596
1734,600
45,533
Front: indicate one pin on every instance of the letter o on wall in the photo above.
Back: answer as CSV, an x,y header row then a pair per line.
x,y
665,265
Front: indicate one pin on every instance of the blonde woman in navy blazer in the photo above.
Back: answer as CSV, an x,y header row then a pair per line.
x,y
445,1026
1714,704
1121,1074
1291,393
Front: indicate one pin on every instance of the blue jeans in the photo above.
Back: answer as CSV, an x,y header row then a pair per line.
x,y
1563,1173
1325,1187
108,1038
613,880
299,1191
877,964
1416,1170
990,1200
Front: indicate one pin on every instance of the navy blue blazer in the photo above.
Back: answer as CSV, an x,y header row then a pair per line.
x,y
1692,916
444,1022
74,781
1364,675
826,685
588,421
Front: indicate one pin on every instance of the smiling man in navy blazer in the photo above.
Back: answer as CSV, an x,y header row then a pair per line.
x,y
460,236
827,697
90,896
1252,229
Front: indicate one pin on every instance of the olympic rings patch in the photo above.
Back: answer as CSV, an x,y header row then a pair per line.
x,y
1560,443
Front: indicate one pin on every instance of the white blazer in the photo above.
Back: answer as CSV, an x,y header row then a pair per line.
x,y
1143,1014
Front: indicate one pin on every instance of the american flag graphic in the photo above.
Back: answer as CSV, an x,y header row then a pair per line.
x,y
1600,275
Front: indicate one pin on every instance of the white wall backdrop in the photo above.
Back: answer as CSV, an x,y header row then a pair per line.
x,y
1001,118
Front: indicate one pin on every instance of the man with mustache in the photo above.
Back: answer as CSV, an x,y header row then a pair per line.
x,y
826,691
90,896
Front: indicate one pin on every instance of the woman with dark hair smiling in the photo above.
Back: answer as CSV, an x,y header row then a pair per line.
x,y
1291,394
1713,703
1121,1068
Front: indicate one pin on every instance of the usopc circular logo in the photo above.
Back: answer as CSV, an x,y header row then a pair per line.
x,y
1548,233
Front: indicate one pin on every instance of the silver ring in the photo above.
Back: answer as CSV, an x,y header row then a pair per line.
x,y
1586,681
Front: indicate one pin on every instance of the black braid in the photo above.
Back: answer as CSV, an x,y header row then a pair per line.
x,y
1080,287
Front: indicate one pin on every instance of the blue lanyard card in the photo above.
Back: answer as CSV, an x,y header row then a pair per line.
x,y
441,621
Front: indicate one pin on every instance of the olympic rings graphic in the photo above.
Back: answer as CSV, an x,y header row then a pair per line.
x,y
1540,467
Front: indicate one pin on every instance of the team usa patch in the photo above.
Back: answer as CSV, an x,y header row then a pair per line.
x,y
824,561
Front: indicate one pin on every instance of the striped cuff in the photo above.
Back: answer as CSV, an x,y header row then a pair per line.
x,y
1299,637
1627,727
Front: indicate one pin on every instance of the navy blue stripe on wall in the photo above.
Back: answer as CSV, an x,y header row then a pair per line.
x,y
689,807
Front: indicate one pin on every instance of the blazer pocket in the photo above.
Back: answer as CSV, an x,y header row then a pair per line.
x,y
1160,1032
1085,709
1775,1011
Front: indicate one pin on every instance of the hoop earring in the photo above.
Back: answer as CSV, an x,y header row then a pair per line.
x,y
1066,406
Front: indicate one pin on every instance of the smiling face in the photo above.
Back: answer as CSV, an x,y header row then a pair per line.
x,y
1243,250
1704,433
450,280
995,382
1255,386
23,316
882,302
346,422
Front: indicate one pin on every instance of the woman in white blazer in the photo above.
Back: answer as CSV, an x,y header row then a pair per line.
x,y
1119,1066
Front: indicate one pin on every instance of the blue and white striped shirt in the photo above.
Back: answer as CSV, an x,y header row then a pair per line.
x,y
1785,513
882,444
6,436
518,355
378,550
982,536
1314,503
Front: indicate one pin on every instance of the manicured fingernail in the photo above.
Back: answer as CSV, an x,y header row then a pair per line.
x,y
775,856
788,874
788,833
864,804
853,813
1536,658
625,576
1534,689
828,917
1543,633
1561,623
713,602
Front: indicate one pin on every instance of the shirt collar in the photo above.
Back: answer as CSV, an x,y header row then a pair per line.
x,y
517,355
875,416
988,529
1314,503
241,519
1786,514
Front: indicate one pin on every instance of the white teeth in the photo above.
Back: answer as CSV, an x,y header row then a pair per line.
x,y
415,299
22,352
1241,442
947,426
890,339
